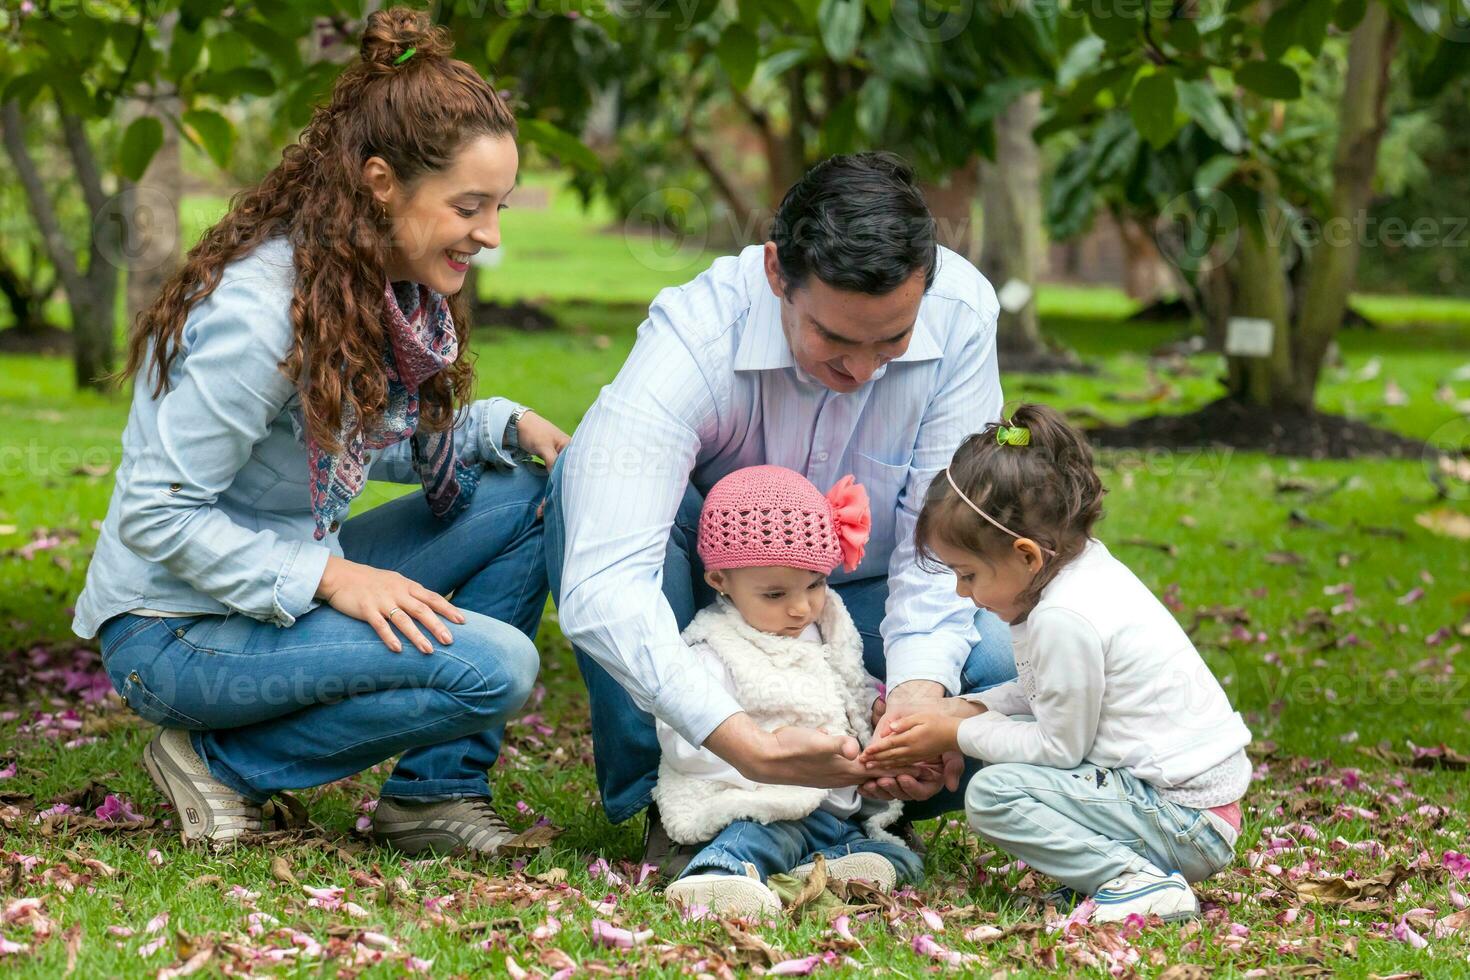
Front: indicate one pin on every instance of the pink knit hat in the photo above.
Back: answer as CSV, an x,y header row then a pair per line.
x,y
769,515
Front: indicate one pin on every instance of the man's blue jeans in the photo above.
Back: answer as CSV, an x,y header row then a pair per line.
x,y
776,848
274,709
623,738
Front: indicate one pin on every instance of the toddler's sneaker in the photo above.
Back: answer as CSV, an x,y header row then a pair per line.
x,y
863,865
206,809
742,895
1145,892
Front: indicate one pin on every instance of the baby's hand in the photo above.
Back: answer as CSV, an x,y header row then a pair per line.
x,y
914,739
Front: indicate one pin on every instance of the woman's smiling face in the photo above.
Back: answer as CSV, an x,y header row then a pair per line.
x,y
440,222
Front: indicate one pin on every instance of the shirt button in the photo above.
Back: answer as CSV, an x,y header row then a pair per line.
x,y
174,487
333,526
821,457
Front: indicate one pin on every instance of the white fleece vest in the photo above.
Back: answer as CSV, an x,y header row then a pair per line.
x,y
778,681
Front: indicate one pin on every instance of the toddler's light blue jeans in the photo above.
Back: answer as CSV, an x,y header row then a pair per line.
x,y
1087,825
776,848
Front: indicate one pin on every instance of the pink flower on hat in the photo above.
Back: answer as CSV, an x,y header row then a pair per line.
x,y
770,515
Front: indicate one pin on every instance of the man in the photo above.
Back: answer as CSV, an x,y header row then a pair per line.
x,y
849,343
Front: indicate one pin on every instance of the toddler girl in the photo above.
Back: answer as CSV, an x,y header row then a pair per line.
x,y
783,644
1115,763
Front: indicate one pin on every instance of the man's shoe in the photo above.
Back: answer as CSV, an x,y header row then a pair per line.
x,y
466,826
206,808
744,895
1147,892
661,851
863,865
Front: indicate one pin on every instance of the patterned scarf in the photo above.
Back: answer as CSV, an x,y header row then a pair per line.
x,y
421,342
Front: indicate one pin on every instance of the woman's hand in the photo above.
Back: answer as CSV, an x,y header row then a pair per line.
x,y
380,598
540,438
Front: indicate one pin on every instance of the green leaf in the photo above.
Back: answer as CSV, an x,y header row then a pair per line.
x,y
24,89
216,133
499,40
841,25
1082,56
738,52
183,52
1116,21
1298,22
1200,103
236,82
1152,106
840,128
559,143
1349,13
140,141
280,49
1269,78
1215,171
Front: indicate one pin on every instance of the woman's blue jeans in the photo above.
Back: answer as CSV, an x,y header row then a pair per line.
x,y
623,739
274,708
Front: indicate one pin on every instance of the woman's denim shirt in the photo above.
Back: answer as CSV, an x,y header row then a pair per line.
x,y
211,511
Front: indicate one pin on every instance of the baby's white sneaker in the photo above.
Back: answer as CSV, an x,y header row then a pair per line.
x,y
1145,892
741,895
863,865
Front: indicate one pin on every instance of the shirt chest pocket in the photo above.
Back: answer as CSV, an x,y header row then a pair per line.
x,y
884,482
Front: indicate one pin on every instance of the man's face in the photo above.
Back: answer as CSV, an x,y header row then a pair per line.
x,y
842,338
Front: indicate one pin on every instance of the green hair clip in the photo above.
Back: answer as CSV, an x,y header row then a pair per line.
x,y
1012,435
404,56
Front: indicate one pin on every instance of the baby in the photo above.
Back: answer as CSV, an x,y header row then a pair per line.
x,y
784,646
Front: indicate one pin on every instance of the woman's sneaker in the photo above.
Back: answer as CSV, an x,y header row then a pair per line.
x,y
467,826
863,865
1146,892
206,808
744,895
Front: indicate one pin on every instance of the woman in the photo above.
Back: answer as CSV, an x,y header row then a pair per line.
x,y
310,342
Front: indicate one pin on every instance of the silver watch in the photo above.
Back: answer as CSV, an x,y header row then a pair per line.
x,y
512,438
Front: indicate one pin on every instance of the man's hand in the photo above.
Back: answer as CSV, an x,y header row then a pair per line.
x,y
788,756
914,739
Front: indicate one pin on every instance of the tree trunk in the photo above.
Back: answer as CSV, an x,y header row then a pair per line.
x,y
153,221
1362,119
953,205
1014,240
1146,275
1260,292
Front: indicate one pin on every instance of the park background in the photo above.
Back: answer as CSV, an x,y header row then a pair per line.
x,y
1134,176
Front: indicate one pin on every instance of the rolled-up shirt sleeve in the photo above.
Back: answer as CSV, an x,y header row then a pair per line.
x,y
928,631
623,478
479,436
227,393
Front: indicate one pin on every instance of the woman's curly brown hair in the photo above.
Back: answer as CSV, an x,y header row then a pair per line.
x,y
415,115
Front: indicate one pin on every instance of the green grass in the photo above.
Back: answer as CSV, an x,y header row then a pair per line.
x,y
1212,531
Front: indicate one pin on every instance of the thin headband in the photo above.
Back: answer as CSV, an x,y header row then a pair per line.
x,y
956,488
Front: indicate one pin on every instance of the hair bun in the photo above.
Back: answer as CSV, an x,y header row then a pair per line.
x,y
391,32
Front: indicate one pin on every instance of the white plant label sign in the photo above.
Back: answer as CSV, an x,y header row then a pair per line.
x,y
1248,336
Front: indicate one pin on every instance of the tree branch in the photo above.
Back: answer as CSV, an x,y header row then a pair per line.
x,y
80,148
12,126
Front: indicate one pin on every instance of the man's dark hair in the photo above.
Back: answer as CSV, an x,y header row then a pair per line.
x,y
858,222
